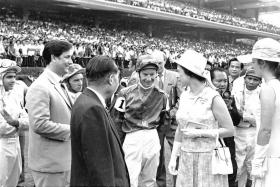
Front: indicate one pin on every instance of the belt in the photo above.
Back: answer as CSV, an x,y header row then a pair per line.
x,y
9,136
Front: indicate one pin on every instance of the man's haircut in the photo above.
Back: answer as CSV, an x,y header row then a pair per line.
x,y
216,69
235,59
99,67
56,48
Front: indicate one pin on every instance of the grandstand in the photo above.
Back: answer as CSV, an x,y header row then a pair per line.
x,y
170,24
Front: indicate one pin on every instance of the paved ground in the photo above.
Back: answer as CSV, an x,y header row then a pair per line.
x,y
29,181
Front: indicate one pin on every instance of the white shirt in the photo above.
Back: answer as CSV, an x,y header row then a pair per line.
x,y
251,104
11,102
100,97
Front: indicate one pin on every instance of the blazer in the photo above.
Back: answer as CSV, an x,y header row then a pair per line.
x,y
170,80
97,155
49,113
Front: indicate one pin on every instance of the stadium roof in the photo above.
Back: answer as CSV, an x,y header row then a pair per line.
x,y
116,9
260,5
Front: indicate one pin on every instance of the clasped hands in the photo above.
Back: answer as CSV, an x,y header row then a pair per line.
x,y
10,120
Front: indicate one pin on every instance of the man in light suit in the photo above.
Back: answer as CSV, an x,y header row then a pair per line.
x,y
97,155
167,81
49,110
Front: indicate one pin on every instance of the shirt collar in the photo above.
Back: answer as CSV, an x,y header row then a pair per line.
x,y
100,97
56,77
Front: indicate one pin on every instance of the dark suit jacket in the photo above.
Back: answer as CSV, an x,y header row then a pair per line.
x,y
97,156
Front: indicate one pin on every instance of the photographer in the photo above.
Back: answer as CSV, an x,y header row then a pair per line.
x,y
221,82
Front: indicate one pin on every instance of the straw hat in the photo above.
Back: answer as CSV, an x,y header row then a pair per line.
x,y
245,59
73,70
8,65
267,49
196,63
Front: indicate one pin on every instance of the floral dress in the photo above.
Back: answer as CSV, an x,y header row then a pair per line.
x,y
195,168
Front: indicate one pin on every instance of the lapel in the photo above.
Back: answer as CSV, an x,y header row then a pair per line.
x,y
109,119
58,88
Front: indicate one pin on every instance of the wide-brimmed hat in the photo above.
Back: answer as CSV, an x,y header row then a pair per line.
x,y
196,63
73,70
146,62
245,59
8,65
267,49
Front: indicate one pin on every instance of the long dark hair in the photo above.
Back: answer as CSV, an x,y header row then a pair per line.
x,y
193,75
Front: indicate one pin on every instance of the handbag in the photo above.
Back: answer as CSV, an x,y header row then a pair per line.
x,y
221,160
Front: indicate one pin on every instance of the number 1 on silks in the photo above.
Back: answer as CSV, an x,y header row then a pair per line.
x,y
120,104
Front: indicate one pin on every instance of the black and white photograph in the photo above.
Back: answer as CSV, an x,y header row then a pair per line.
x,y
139,93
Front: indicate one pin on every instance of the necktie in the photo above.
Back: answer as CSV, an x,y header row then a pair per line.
x,y
64,88
160,82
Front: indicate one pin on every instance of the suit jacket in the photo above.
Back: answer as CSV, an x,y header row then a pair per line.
x,y
49,113
170,80
97,156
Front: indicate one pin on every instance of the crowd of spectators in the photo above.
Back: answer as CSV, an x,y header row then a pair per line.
x,y
23,41
190,10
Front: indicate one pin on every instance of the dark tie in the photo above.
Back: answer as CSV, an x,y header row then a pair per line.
x,y
66,93
160,82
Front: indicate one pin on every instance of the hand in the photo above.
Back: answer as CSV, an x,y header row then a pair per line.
x,y
250,120
258,169
172,112
172,167
10,120
259,163
196,133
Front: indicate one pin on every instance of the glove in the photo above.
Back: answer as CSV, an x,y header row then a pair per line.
x,y
174,155
196,133
259,163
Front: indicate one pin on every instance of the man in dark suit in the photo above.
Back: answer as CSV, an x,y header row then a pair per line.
x,y
97,155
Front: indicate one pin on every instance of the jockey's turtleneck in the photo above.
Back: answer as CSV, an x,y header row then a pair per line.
x,y
145,90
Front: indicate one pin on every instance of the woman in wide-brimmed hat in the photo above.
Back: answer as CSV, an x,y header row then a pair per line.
x,y
74,81
202,117
266,162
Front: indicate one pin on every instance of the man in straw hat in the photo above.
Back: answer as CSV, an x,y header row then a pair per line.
x,y
49,110
266,161
167,81
13,118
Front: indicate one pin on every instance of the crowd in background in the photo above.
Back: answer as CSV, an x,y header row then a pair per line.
x,y
190,10
23,41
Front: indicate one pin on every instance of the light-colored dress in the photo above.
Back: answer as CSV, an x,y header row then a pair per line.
x,y
195,168
271,178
